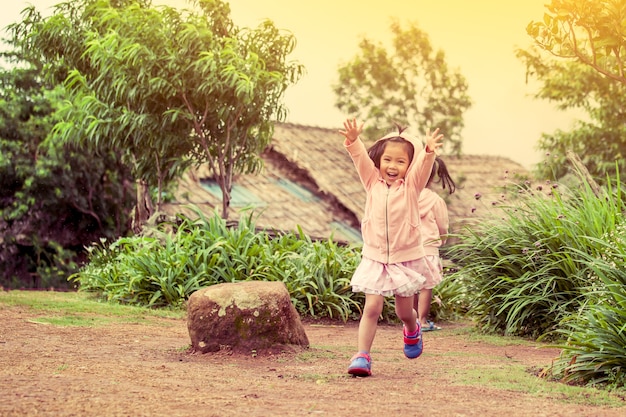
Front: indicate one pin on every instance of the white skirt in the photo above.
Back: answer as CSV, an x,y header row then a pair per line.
x,y
403,279
437,273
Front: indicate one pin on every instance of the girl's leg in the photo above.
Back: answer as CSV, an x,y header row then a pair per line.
x,y
369,321
406,313
361,362
413,344
422,305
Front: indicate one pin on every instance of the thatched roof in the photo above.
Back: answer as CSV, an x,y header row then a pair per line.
x,y
320,152
314,160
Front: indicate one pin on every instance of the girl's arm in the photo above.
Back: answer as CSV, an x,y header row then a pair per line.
x,y
424,158
356,148
440,210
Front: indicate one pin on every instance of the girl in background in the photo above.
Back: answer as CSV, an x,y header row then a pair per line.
x,y
434,222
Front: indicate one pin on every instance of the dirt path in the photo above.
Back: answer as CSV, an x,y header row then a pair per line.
x,y
145,370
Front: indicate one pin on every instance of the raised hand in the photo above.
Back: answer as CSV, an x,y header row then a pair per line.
x,y
352,130
433,141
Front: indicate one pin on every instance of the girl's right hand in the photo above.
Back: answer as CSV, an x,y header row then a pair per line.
x,y
352,130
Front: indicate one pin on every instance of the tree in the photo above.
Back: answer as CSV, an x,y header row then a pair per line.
x,y
53,199
579,58
588,31
409,86
170,88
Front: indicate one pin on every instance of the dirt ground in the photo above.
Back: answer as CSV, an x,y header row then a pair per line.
x,y
146,370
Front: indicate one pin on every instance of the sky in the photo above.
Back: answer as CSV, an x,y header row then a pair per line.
x,y
478,38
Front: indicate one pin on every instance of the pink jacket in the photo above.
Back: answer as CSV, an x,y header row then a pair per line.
x,y
434,220
391,222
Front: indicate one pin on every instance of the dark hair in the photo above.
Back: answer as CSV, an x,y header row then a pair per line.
x,y
376,151
440,169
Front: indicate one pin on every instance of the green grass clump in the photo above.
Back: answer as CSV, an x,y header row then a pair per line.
x,y
523,271
165,268
81,309
594,351
552,267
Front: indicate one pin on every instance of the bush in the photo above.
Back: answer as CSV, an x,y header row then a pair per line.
x,y
524,272
165,268
450,299
595,347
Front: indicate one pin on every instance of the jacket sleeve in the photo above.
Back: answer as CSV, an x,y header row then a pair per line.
x,y
368,173
422,164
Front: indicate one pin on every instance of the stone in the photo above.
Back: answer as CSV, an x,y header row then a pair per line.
x,y
245,317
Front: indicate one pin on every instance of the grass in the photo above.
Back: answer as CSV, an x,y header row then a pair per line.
x,y
474,336
467,328
505,374
517,378
81,309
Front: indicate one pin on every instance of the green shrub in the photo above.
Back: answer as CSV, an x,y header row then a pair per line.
x,y
450,299
595,347
523,270
165,268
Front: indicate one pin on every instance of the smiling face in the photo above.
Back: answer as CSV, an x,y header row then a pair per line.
x,y
394,162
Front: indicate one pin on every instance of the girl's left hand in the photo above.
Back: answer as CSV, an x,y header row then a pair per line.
x,y
433,142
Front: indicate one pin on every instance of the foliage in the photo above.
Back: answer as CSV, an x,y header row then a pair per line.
x,y
166,268
450,299
523,271
579,62
53,198
410,86
163,269
168,87
589,31
599,141
595,347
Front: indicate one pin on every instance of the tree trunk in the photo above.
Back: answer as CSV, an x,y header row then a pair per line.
x,y
225,204
143,208
225,186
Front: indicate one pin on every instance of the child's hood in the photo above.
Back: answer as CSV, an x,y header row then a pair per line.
x,y
404,135
418,146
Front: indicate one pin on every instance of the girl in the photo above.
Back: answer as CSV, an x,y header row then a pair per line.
x,y
434,223
393,259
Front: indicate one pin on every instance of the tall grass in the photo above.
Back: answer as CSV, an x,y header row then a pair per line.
x,y
523,270
595,339
553,267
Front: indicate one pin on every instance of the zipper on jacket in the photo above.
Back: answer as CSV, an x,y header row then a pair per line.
x,y
387,221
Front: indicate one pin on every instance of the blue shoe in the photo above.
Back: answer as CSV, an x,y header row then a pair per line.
x,y
361,365
413,345
431,327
